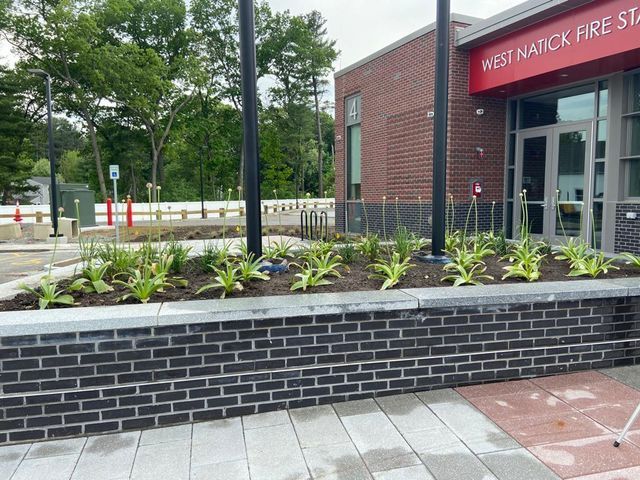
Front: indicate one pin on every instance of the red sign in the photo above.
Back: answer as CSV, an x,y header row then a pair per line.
x,y
476,189
579,38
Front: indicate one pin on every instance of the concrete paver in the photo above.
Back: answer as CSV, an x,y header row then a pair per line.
x,y
490,432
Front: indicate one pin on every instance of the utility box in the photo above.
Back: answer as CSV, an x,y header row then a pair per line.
x,y
67,195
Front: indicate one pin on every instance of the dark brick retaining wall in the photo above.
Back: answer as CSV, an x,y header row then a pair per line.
x,y
60,385
627,231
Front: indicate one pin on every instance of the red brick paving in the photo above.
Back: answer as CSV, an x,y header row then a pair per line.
x,y
569,422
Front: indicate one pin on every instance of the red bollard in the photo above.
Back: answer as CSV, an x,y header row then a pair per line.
x,y
129,213
109,212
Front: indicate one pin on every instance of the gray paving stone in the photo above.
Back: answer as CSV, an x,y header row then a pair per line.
x,y
108,457
336,461
517,465
317,426
166,435
446,457
408,413
356,407
628,375
46,468
220,441
71,446
476,430
418,472
163,460
443,395
378,441
236,470
10,458
268,419
274,454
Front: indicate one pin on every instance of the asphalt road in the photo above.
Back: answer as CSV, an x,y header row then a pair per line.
x,y
15,265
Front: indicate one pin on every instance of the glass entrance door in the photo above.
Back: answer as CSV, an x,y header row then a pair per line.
x,y
553,174
570,182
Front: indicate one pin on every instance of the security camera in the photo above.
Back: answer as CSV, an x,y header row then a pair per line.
x,y
480,111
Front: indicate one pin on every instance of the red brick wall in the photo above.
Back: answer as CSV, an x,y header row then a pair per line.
x,y
397,137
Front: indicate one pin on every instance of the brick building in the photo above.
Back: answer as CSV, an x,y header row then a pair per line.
x,y
544,97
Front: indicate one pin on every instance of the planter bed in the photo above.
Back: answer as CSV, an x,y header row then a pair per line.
x,y
91,370
355,279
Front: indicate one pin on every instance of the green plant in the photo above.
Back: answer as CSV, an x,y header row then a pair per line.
x,y
317,248
573,250
461,257
500,244
228,280
631,259
592,266
179,253
48,295
369,246
120,260
402,242
526,260
327,262
88,250
249,269
390,271
463,276
453,240
348,252
213,256
282,248
92,280
418,243
143,283
310,277
482,247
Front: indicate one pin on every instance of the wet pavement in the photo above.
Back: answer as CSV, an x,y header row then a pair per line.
x,y
543,429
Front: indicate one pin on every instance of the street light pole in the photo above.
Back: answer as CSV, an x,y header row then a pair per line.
x,y
201,187
52,159
440,131
250,126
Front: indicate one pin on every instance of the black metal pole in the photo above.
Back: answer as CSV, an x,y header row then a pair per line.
x,y
52,160
440,129
250,126
201,189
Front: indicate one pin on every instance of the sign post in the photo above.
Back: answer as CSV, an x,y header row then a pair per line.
x,y
114,174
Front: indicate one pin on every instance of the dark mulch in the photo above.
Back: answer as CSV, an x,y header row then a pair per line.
x,y
422,275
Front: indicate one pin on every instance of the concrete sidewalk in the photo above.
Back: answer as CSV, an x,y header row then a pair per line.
x,y
558,427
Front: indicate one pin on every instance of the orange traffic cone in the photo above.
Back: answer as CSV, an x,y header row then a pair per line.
x,y
17,217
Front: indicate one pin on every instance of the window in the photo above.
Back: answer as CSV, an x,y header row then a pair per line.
x,y
631,140
557,107
354,164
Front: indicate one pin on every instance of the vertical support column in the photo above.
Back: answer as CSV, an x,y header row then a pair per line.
x,y
52,160
250,126
440,129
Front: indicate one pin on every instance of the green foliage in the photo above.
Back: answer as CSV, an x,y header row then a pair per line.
x,y
120,259
318,266
282,248
403,242
526,259
143,283
92,280
500,244
390,271
213,257
573,250
369,246
463,276
249,269
227,279
631,259
593,266
48,294
179,253
461,258
348,251
419,243
317,248
453,240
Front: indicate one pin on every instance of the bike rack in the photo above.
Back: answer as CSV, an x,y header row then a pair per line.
x,y
314,226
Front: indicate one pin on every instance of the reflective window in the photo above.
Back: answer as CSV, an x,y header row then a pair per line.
x,y
598,180
601,140
634,136
634,93
634,177
353,162
598,211
557,107
354,217
603,98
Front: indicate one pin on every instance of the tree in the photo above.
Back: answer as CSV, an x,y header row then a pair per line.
x,y
62,38
317,56
147,68
15,127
